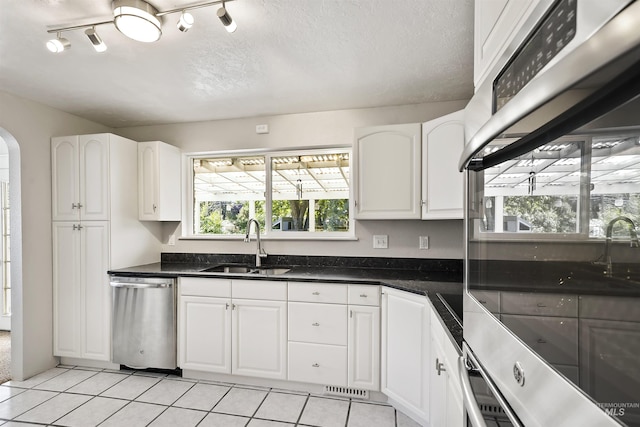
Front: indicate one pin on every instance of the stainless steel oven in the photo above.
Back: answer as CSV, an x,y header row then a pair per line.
x,y
552,264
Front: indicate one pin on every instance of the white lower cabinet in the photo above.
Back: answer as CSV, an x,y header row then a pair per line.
x,y
205,334
405,352
445,392
259,338
82,299
364,347
220,334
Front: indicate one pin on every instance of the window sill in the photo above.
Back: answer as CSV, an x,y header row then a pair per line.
x,y
299,237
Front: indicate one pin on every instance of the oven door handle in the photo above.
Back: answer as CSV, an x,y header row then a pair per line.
x,y
470,403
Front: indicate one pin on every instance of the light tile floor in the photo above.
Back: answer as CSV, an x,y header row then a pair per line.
x,y
81,397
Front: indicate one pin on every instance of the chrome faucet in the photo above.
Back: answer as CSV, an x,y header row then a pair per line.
x,y
607,246
260,253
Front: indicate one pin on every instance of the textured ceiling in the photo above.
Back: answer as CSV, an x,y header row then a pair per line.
x,y
287,56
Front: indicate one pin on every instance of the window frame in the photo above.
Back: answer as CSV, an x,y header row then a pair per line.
x,y
267,234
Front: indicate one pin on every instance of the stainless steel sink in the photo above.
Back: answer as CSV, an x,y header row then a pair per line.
x,y
245,269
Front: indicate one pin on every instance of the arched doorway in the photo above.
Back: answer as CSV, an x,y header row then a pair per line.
x,y
13,294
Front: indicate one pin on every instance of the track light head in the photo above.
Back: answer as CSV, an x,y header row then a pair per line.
x,y
59,44
227,20
137,20
95,39
185,22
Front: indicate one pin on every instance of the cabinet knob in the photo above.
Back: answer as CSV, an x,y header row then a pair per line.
x,y
316,293
154,207
315,324
315,365
541,341
363,295
439,366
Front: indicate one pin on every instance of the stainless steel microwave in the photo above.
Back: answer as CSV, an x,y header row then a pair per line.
x,y
552,263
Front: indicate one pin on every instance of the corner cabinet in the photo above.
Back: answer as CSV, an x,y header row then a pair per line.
x,y
159,182
94,229
387,175
410,171
405,352
442,183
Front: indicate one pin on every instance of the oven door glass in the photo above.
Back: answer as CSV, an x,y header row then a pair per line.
x,y
553,252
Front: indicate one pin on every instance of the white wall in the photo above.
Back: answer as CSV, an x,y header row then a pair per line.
x,y
308,130
32,125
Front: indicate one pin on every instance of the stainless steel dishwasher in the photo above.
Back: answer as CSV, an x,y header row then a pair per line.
x,y
143,331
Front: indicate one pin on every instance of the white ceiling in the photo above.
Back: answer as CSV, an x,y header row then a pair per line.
x,y
287,56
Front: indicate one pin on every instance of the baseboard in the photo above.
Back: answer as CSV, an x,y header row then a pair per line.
x,y
88,363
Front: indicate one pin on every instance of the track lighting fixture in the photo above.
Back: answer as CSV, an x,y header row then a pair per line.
x,y
95,39
185,22
58,44
226,19
139,21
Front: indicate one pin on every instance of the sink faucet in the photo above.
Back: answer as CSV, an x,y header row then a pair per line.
x,y
260,253
607,246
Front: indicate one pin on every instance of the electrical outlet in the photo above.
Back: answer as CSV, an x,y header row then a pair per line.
x,y
424,242
380,241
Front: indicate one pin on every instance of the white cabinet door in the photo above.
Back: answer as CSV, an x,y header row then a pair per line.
x,y
65,186
67,296
159,182
405,351
259,338
442,183
495,25
82,299
445,392
387,178
205,334
364,347
96,294
94,177
80,176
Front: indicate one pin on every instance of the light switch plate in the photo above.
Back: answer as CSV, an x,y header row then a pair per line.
x,y
380,241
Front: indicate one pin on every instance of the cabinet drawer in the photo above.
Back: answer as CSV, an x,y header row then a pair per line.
x,y
318,292
553,338
609,308
540,304
318,323
318,363
364,295
259,289
201,287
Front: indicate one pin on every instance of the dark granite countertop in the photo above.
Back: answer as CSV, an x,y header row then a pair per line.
x,y
415,277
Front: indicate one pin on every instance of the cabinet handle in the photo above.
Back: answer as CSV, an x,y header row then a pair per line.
x,y
233,306
350,313
227,308
541,341
73,206
363,295
316,293
315,365
439,366
541,305
315,324
154,207
481,301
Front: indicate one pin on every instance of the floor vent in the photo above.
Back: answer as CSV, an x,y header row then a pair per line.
x,y
345,392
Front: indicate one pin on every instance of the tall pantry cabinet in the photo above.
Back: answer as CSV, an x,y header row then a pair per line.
x,y
95,228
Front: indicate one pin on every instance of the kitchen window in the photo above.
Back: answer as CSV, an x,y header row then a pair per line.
x,y
573,186
293,194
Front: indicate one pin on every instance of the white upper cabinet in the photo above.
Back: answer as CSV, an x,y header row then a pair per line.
x,y
159,182
387,178
442,183
495,24
80,166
